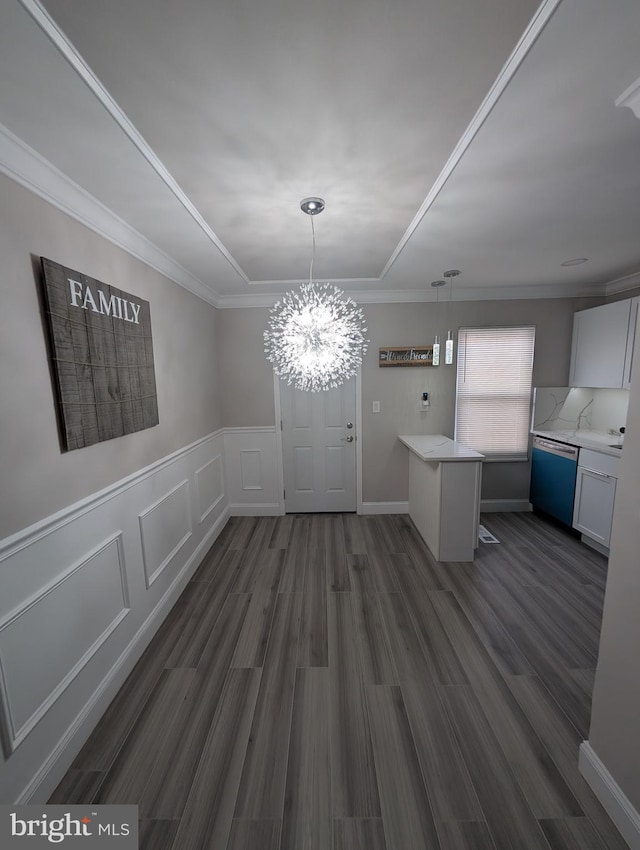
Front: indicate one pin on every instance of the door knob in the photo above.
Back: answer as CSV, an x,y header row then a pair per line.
x,y
348,439
349,424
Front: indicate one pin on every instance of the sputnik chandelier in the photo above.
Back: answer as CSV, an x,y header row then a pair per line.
x,y
316,337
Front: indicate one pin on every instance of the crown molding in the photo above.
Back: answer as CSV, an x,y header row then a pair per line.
x,y
418,296
622,284
631,98
340,282
481,293
519,53
68,51
31,170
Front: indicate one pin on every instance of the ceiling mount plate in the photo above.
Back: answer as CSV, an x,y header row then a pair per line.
x,y
312,206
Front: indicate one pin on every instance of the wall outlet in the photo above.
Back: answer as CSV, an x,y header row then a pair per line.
x,y
423,401
375,407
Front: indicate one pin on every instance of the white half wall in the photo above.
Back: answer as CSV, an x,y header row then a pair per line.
x,y
81,595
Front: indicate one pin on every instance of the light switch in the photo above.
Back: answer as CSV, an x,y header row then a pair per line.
x,y
375,407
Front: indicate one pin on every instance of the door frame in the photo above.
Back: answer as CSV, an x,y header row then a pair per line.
x,y
279,450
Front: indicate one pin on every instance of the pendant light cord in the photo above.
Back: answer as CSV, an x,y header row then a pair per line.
x,y
313,249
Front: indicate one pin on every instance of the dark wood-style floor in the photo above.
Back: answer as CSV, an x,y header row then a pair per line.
x,y
324,684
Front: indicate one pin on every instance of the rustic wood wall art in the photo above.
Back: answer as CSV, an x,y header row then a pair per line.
x,y
406,355
102,354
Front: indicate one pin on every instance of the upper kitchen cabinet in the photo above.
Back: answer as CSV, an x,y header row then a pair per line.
x,y
602,345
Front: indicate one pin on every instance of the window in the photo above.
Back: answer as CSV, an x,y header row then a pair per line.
x,y
493,390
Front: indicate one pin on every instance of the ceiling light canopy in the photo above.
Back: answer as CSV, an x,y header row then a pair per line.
x,y
312,206
316,337
578,261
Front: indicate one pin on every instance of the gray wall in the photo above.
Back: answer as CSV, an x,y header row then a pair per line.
x,y
246,376
37,478
247,384
615,713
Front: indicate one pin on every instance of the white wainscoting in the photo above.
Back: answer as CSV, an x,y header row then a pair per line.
x,y
254,471
209,487
81,595
164,529
89,599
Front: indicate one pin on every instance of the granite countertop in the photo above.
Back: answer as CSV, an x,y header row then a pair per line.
x,y
596,440
437,447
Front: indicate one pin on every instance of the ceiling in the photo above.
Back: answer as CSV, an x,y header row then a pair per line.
x,y
480,135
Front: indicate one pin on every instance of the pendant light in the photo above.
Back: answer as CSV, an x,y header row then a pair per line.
x,y
448,346
436,340
316,337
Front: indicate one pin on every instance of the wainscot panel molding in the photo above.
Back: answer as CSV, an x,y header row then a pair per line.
x,y
98,588
252,471
81,595
613,799
164,529
209,486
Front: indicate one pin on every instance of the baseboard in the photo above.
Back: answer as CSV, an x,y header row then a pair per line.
x,y
385,507
47,778
257,509
494,506
593,544
614,801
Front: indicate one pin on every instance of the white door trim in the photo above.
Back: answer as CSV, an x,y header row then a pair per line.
x,y
279,453
279,450
359,441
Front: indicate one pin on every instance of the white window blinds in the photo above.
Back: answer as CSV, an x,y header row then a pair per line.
x,y
493,390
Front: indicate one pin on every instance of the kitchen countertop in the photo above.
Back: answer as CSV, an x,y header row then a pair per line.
x,y
596,440
437,447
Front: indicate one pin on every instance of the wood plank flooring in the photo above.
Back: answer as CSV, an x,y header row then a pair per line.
x,y
324,684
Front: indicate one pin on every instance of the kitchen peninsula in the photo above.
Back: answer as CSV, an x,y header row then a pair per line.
x,y
444,494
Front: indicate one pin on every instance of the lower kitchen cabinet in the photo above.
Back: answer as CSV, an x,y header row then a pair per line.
x,y
595,495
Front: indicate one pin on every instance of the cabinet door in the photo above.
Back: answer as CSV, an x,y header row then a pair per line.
x,y
599,345
593,506
631,342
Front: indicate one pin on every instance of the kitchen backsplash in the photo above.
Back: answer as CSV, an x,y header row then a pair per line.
x,y
579,409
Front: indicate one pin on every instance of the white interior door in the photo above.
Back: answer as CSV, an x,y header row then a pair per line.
x,y
319,449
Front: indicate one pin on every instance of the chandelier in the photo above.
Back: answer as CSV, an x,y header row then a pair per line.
x,y
316,337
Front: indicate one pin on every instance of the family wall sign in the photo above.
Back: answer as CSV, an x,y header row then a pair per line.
x,y
102,356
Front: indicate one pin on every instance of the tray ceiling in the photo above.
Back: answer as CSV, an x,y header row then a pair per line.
x,y
477,135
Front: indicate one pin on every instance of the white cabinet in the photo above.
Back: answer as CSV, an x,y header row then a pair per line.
x,y
599,350
595,495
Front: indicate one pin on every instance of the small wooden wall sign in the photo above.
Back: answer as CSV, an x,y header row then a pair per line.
x,y
406,355
102,355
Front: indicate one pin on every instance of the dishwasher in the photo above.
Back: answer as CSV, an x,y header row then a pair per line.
x,y
554,467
